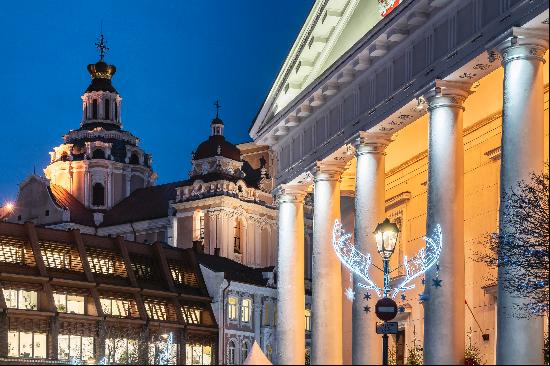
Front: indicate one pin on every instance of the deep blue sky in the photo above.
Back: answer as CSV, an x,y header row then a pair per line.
x,y
173,58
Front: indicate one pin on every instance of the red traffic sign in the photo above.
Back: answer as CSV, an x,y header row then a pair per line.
x,y
385,309
387,328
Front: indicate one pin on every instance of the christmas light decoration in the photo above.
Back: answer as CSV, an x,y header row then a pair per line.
x,y
359,263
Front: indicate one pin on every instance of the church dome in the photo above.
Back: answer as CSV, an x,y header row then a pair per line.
x,y
217,145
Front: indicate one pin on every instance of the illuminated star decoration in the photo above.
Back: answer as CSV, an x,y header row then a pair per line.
x,y
436,282
366,309
403,297
366,296
359,263
350,294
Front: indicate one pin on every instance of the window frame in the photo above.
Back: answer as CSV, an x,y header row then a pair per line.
x,y
246,310
232,309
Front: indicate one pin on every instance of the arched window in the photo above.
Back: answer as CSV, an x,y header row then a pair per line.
x,y
231,353
198,225
98,194
107,109
134,159
244,351
98,154
237,237
94,109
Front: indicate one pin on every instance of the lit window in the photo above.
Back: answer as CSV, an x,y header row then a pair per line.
x,y
198,354
27,344
308,320
115,307
121,350
21,299
244,351
155,310
231,353
75,347
232,308
163,350
192,315
237,237
245,310
66,303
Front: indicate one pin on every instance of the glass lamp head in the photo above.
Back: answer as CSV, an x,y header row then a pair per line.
x,y
386,235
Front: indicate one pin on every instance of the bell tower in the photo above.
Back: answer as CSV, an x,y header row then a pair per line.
x,y
100,164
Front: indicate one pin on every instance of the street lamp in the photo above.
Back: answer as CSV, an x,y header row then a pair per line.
x,y
386,235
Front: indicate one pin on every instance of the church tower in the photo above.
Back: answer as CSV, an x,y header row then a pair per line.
x,y
100,163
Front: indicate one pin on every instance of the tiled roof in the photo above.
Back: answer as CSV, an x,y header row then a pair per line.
x,y
79,213
234,271
143,204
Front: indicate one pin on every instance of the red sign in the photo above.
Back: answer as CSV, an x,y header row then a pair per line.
x,y
385,309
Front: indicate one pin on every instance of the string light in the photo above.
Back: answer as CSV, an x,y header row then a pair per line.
x,y
359,263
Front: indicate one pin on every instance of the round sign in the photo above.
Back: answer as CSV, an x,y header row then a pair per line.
x,y
385,309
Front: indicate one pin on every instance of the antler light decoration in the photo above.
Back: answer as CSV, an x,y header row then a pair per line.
x,y
359,263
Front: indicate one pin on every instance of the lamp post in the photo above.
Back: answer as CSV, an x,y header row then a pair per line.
x,y
386,235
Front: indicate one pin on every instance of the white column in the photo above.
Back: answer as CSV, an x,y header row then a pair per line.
x,y
369,212
326,342
291,341
519,340
444,312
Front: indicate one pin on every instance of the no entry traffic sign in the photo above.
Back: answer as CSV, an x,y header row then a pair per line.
x,y
385,309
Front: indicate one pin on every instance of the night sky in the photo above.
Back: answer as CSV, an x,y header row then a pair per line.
x,y
173,59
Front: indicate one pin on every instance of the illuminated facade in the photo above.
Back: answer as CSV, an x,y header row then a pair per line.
x,y
67,297
422,112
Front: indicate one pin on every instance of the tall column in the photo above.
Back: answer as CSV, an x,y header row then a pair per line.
x,y
444,329
369,212
519,340
326,268
291,342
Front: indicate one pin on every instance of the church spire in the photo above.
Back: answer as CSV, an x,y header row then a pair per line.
x,y
216,126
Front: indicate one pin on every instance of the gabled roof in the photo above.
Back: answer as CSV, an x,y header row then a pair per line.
x,y
143,204
235,271
79,213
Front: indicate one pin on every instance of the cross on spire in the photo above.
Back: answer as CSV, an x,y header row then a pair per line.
x,y
102,46
218,106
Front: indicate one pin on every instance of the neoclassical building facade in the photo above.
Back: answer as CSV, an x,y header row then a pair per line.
x,y
426,112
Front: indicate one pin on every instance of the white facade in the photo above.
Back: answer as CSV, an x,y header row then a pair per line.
x,y
410,103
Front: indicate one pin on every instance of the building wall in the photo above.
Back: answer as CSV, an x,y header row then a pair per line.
x,y
407,175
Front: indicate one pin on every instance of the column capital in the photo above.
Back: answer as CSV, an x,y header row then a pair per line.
x,y
291,193
371,143
524,44
446,93
329,170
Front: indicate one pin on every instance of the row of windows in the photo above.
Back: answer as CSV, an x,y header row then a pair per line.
x,y
198,231
117,350
246,308
106,110
76,304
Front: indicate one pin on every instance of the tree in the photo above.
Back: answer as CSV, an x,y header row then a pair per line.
x,y
521,249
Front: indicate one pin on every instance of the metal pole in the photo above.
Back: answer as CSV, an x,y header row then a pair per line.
x,y
384,349
386,277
